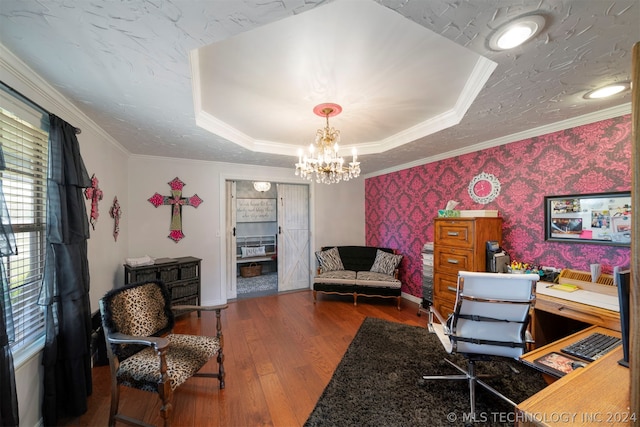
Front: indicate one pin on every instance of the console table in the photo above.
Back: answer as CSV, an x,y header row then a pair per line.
x,y
180,275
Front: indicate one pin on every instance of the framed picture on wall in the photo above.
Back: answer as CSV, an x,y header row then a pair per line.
x,y
601,218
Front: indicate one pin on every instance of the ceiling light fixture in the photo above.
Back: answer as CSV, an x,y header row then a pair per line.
x,y
261,186
608,90
516,32
323,160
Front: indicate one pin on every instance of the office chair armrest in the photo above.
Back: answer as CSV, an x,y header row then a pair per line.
x,y
441,320
158,343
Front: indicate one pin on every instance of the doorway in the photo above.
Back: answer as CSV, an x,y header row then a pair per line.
x,y
268,238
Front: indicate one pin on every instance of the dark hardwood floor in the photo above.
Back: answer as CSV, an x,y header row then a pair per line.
x,y
280,352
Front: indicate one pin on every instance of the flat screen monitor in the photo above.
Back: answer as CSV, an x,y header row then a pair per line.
x,y
623,282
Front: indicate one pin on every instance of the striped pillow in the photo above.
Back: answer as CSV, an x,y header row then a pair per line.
x,y
329,260
385,262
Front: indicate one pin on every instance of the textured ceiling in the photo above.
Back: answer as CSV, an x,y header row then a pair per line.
x,y
127,66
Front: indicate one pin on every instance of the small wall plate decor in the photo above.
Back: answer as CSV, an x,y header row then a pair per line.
x,y
484,188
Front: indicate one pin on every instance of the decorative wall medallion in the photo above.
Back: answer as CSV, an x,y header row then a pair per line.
x,y
484,188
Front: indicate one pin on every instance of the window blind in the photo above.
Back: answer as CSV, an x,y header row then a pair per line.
x,y
24,181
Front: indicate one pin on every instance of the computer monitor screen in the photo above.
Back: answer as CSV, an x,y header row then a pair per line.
x,y
623,282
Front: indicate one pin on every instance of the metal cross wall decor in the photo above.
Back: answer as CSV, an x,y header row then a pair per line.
x,y
176,201
95,194
115,213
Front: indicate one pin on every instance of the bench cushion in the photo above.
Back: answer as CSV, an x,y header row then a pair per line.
x,y
341,277
378,280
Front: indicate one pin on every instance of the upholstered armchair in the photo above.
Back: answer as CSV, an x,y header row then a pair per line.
x,y
143,352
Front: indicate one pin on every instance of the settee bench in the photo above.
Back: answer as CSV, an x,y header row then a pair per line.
x,y
358,271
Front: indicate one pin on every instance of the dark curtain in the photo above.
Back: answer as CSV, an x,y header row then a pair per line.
x,y
65,291
9,401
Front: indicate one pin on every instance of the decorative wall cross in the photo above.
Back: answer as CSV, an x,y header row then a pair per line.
x,y
176,201
115,213
95,194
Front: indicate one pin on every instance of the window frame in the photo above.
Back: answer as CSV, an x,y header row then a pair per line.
x,y
26,157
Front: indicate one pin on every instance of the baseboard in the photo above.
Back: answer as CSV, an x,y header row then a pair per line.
x,y
411,298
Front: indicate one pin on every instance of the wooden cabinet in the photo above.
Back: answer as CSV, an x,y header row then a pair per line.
x,y
180,275
459,245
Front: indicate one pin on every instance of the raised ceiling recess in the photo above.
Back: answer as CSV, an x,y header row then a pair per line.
x,y
257,88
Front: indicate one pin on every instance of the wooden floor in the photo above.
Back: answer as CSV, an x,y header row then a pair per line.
x,y
280,352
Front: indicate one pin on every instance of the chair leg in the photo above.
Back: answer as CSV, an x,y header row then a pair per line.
x,y
221,372
471,375
471,366
115,400
165,393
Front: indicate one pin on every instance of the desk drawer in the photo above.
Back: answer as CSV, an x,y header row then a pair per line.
x,y
444,286
454,233
452,260
577,311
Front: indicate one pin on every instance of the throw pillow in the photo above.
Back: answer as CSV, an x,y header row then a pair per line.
x,y
385,262
329,260
252,251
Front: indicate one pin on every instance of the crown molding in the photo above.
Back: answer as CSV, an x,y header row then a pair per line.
x,y
617,111
29,83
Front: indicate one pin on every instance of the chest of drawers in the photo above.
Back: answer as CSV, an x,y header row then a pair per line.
x,y
459,245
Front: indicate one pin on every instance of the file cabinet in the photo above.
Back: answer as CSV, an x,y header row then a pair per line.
x,y
459,245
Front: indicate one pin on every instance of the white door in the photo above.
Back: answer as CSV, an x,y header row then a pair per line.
x,y
293,237
230,187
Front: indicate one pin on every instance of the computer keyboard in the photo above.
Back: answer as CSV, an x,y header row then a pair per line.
x,y
592,347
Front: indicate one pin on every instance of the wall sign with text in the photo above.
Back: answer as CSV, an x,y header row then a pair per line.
x,y
256,210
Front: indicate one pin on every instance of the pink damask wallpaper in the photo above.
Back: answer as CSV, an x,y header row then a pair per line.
x,y
594,158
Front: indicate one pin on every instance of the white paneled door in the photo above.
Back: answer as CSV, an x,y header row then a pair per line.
x,y
293,237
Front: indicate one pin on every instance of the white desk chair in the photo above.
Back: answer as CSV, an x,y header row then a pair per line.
x,y
490,318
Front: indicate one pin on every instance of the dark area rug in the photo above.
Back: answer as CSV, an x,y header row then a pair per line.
x,y
377,383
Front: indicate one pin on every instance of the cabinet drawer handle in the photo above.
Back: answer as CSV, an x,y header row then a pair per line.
x,y
452,233
452,289
452,261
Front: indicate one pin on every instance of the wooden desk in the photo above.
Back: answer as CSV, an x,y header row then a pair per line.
x,y
595,395
546,329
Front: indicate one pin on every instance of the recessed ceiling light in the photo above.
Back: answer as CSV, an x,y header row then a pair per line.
x,y
606,91
516,32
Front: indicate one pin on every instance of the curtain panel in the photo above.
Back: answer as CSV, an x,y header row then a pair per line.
x,y
65,291
9,401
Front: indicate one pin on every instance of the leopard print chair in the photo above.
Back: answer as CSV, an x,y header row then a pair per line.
x,y
143,352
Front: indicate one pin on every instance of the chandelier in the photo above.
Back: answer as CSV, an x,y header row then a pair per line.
x,y
322,160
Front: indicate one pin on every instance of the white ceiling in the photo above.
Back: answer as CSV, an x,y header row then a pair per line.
x,y
233,81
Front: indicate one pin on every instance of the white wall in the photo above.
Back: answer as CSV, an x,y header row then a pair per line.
x,y
337,213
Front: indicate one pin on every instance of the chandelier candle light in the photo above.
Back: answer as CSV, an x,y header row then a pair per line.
x,y
323,160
